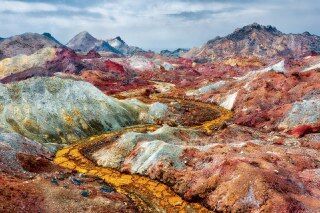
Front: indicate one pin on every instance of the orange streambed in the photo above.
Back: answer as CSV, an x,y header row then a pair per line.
x,y
149,195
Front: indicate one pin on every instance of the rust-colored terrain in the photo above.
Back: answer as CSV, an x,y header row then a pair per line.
x,y
101,126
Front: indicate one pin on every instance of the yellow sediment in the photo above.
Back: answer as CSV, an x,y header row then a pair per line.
x,y
149,195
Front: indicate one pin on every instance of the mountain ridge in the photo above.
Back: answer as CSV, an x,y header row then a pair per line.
x,y
257,40
26,43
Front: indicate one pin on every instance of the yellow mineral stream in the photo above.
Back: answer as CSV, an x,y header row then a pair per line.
x,y
149,195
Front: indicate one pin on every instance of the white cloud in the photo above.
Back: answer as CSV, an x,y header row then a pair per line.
x,y
23,7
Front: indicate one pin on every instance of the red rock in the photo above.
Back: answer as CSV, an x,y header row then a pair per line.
x,y
302,130
110,82
113,66
271,96
17,196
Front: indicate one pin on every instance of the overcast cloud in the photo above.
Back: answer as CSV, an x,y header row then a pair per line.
x,y
161,24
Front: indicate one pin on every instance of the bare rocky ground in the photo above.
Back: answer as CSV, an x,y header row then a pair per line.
x,y
60,191
266,159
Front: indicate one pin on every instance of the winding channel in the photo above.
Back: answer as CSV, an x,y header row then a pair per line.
x,y
148,195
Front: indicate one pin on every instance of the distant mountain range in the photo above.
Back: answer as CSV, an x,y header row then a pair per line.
x,y
29,43
257,40
175,53
84,42
253,40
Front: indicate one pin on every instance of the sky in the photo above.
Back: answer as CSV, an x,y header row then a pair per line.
x,y
155,25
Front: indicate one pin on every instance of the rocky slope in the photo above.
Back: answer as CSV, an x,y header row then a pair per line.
x,y
111,77
20,63
217,170
273,136
256,40
54,110
29,181
26,44
16,151
104,73
84,42
278,97
123,47
44,62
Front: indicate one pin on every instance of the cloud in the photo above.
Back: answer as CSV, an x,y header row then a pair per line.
x,y
202,14
161,24
73,3
22,7
59,13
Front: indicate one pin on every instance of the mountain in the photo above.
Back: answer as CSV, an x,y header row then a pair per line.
x,y
56,110
49,36
176,53
27,43
19,63
84,42
257,40
123,47
45,62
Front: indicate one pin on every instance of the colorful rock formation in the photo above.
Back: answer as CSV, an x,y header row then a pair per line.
x,y
55,110
234,127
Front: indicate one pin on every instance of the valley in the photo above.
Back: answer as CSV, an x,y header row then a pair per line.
x,y
98,125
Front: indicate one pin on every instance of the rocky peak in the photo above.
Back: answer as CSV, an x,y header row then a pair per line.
x,y
248,31
49,36
306,34
117,42
258,41
255,26
118,38
84,36
84,42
